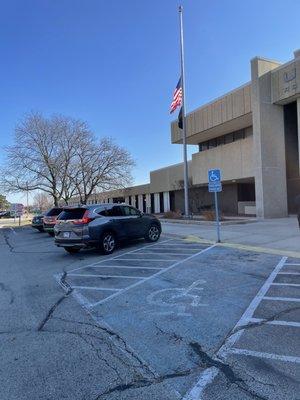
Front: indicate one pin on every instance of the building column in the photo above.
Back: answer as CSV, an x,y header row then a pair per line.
x,y
156,203
298,123
140,202
133,201
127,199
148,203
268,144
166,201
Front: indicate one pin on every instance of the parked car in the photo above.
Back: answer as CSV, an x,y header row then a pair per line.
x,y
102,226
50,218
37,222
5,214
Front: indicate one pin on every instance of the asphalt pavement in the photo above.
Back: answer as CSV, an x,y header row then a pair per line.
x,y
178,319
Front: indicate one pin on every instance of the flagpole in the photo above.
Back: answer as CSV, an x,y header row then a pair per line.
x,y
185,163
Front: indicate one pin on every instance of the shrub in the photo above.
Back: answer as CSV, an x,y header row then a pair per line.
x,y
209,215
172,215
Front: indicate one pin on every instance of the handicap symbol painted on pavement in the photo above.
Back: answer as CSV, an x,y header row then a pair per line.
x,y
178,301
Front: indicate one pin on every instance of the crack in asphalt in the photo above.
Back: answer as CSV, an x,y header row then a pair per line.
x,y
5,232
59,301
136,384
8,290
207,361
251,325
226,369
6,239
124,346
172,335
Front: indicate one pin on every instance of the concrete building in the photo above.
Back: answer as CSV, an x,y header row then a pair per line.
x,y
252,134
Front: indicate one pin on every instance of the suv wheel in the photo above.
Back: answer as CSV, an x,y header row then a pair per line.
x,y
153,233
108,243
72,250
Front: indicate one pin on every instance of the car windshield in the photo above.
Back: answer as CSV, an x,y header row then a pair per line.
x,y
74,213
53,212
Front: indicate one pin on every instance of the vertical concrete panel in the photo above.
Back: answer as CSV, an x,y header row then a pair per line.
x,y
166,201
229,107
209,116
140,202
247,99
223,109
156,203
127,199
205,118
269,144
148,203
200,121
238,103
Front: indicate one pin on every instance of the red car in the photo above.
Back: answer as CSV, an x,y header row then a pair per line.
x,y
50,218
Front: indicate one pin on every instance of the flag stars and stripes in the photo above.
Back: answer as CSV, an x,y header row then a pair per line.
x,y
177,97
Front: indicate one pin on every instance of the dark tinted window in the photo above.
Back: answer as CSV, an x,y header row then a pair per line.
x,y
105,212
115,211
53,212
76,213
130,211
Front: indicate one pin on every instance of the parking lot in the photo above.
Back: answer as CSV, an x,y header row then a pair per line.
x,y
177,319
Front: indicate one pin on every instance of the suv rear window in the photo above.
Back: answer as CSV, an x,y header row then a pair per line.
x,y
75,213
53,212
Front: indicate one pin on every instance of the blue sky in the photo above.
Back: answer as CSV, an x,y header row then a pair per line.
x,y
115,64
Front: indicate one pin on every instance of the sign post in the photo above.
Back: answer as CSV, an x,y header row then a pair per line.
x,y
215,186
18,210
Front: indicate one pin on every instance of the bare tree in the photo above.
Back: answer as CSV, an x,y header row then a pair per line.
x,y
42,153
101,166
42,201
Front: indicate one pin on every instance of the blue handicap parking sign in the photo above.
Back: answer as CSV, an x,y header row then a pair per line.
x,y
214,175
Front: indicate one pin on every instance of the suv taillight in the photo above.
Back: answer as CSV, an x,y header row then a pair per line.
x,y
84,220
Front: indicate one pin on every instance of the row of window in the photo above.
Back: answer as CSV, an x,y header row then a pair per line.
x,y
225,139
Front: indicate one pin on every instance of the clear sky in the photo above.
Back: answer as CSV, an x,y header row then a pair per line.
x,y
115,63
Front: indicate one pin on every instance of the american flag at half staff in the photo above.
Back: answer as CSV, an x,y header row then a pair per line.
x,y
177,97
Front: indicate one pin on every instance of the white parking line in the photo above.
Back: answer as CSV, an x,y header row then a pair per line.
x,y
143,259
94,288
259,354
189,245
152,276
288,273
292,264
125,267
165,253
107,276
286,284
281,298
116,257
276,322
210,373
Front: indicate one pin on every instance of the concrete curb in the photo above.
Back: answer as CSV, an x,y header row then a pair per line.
x,y
206,223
